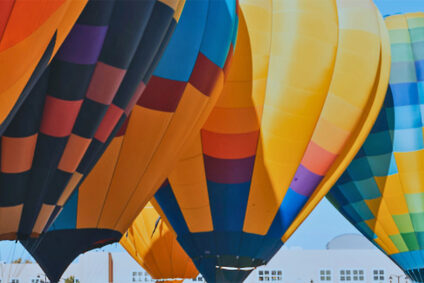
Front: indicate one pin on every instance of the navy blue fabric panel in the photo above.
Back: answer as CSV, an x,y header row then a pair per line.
x,y
12,188
69,81
249,244
89,118
169,205
160,51
56,186
67,219
149,45
290,207
38,79
228,204
89,154
381,124
388,100
344,178
336,197
206,244
207,267
227,243
28,119
188,245
46,157
97,13
54,251
127,25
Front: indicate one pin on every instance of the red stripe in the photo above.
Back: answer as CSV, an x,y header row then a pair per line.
x,y
6,7
108,123
204,75
162,94
59,116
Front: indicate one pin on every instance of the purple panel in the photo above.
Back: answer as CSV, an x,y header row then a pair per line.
x,y
304,181
229,171
83,44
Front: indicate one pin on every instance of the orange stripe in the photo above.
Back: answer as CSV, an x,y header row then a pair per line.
x,y
17,153
74,151
318,160
229,146
232,120
27,17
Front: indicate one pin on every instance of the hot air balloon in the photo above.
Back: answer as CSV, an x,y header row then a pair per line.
x,y
30,34
297,105
381,192
88,89
182,91
154,246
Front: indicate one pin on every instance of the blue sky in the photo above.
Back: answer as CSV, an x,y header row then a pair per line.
x,y
324,223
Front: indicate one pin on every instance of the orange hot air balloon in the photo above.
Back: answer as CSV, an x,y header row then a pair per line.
x,y
154,246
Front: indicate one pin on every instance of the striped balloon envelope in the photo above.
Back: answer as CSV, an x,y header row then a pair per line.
x,y
179,97
154,246
382,191
30,34
296,107
88,89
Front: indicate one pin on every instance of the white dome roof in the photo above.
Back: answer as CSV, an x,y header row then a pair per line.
x,y
350,242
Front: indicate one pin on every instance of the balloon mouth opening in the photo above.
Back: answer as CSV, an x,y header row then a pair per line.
x,y
248,268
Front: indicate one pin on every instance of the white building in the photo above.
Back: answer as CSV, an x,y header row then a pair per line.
x,y
347,259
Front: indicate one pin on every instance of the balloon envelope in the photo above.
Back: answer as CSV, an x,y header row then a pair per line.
x,y
381,192
88,89
177,100
30,34
154,246
296,106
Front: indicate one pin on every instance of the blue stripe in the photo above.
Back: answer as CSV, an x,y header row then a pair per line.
x,y
405,117
404,94
219,28
408,140
289,209
228,204
169,205
67,219
180,56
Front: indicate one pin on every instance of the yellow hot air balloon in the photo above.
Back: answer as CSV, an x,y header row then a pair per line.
x,y
30,34
154,246
305,86
381,193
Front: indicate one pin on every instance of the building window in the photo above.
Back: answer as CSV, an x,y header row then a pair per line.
x,y
325,275
14,280
352,275
270,275
378,275
199,278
